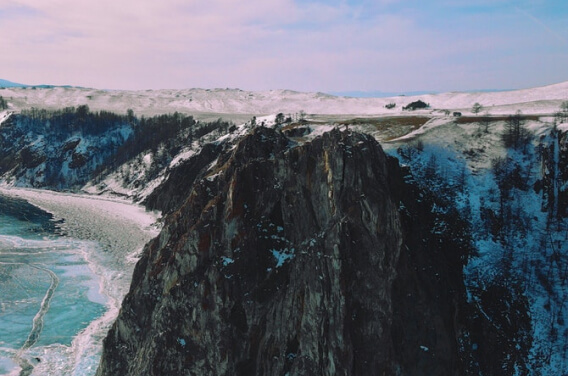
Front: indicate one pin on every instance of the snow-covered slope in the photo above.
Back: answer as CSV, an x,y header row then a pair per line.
x,y
516,227
4,115
239,104
515,202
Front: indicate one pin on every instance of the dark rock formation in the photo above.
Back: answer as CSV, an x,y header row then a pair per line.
x,y
298,260
170,194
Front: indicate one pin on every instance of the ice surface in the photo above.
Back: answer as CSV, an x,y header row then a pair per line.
x,y
92,276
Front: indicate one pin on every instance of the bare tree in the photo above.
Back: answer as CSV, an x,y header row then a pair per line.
x,y
484,122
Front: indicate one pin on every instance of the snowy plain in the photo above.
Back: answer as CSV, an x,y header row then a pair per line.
x,y
240,105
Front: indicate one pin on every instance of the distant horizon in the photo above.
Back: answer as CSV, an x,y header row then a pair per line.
x,y
4,83
383,94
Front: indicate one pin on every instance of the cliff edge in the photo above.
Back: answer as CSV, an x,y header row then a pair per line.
x,y
295,259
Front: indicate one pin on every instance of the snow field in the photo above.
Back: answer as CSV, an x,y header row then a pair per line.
x,y
241,105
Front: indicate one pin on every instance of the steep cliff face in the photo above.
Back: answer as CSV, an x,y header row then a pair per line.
x,y
293,259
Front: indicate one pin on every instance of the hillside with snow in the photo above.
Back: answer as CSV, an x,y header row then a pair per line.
x,y
502,171
236,104
515,198
63,158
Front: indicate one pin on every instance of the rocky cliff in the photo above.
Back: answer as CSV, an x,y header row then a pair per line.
x,y
296,259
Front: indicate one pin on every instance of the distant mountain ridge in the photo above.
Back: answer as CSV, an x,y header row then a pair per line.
x,y
240,105
379,94
390,94
6,83
10,84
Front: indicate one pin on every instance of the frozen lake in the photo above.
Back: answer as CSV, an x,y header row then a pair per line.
x,y
59,292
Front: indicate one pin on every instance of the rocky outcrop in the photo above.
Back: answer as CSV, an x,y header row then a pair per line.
x,y
289,259
169,195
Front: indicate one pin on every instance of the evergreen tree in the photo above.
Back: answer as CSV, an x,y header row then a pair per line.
x,y
279,119
476,108
516,135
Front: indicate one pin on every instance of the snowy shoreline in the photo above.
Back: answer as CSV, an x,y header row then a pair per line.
x,y
121,228
118,230
95,218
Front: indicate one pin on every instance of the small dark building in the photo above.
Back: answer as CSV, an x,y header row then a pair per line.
x,y
418,105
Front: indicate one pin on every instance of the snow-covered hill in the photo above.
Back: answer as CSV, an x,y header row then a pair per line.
x,y
241,105
514,199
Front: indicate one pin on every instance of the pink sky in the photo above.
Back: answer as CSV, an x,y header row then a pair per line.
x,y
307,45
